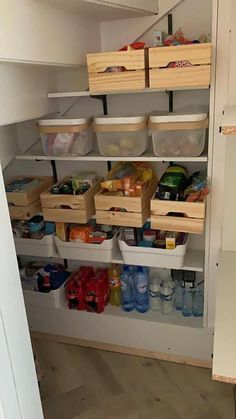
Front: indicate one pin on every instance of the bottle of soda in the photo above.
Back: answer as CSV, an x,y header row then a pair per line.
x,y
127,288
114,285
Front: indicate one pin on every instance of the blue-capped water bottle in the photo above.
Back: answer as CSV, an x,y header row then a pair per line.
x,y
141,283
198,303
187,301
127,290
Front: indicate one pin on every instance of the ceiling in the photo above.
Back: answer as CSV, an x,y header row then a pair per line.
x,y
98,12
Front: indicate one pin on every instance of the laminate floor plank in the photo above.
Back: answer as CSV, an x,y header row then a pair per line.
x,y
85,383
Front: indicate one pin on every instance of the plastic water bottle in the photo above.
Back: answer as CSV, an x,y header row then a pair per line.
x,y
179,296
154,294
198,303
167,297
141,290
187,301
127,290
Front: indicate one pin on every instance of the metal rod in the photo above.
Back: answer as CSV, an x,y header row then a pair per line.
x,y
170,32
54,170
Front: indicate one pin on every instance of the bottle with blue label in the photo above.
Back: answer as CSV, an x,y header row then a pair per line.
x,y
141,282
187,301
127,289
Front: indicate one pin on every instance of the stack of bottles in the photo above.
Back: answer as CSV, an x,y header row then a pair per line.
x,y
188,296
129,288
88,289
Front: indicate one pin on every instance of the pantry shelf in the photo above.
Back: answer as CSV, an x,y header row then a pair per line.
x,y
194,260
36,153
87,93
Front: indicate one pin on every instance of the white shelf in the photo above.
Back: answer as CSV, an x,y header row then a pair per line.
x,y
194,260
56,95
155,316
36,153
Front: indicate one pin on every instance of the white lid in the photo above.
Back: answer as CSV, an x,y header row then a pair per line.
x,y
178,117
105,120
61,121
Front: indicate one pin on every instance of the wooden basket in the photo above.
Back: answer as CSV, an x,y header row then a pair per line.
x,y
193,222
137,209
25,213
134,78
23,199
197,75
69,208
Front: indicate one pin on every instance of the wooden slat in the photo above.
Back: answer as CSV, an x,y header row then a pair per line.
x,y
131,60
183,224
67,215
25,213
109,82
194,53
30,195
171,78
126,219
191,209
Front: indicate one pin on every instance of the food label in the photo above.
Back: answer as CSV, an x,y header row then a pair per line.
x,y
114,282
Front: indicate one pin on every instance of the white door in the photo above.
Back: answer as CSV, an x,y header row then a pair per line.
x,y
19,394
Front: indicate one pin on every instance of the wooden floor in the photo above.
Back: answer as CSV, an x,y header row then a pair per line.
x,y
82,383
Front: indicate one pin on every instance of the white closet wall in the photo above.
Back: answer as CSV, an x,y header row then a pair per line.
x,y
67,36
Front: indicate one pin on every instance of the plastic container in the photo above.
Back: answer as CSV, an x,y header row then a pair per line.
x,y
153,257
36,247
53,299
178,135
127,290
122,136
66,136
103,252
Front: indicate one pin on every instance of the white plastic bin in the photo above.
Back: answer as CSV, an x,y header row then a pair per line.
x,y
178,135
121,136
66,136
153,257
36,247
53,299
103,252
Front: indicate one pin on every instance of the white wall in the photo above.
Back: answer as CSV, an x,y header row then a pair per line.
x,y
23,92
8,144
194,17
33,31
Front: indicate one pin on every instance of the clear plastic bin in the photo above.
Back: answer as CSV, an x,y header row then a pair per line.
x,y
66,136
122,136
176,135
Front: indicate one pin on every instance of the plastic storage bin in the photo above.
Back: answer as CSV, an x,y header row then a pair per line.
x,y
122,136
66,136
178,135
36,247
153,257
52,299
103,252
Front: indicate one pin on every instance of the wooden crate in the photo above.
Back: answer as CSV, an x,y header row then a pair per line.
x,y
193,222
69,208
132,79
197,75
137,208
25,213
32,194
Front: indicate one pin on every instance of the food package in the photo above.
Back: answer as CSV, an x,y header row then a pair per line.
x,y
80,233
